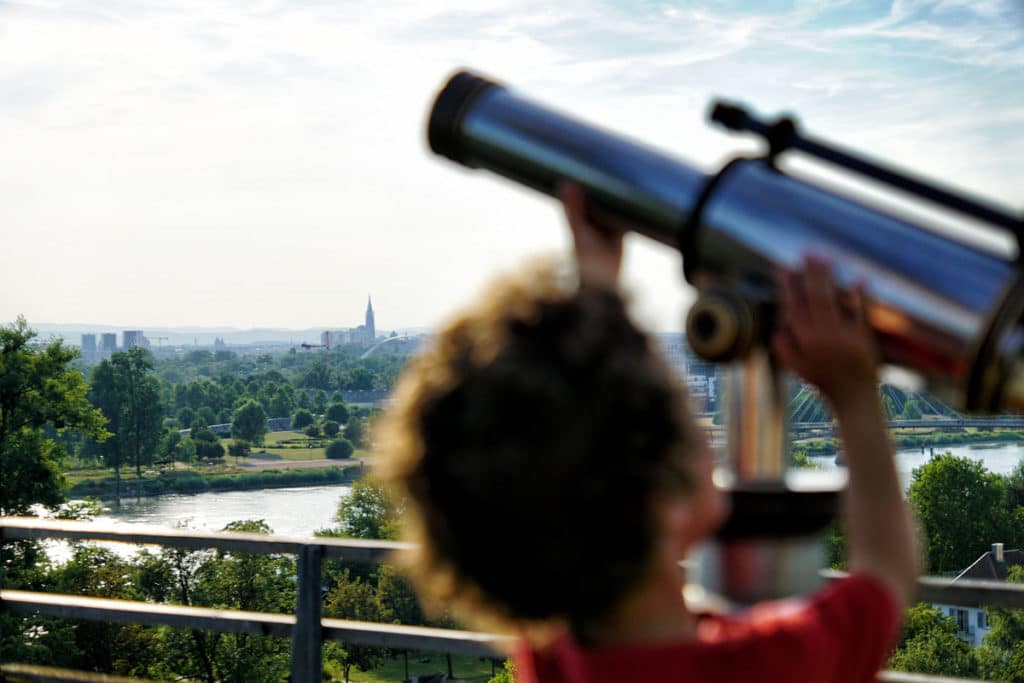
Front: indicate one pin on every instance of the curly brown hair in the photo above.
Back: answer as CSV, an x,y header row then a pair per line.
x,y
530,444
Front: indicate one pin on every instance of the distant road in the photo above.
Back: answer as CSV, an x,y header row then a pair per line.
x,y
256,463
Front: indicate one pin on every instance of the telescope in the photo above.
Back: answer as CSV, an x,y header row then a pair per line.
x,y
949,313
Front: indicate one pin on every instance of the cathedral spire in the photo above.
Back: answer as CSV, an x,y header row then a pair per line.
x,y
370,327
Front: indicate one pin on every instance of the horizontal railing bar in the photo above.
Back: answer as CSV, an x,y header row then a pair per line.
x,y
970,592
129,612
261,623
33,673
349,549
416,638
256,623
963,592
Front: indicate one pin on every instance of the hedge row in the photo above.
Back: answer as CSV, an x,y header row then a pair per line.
x,y
196,482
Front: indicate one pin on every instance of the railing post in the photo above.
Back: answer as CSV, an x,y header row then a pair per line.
x,y
307,638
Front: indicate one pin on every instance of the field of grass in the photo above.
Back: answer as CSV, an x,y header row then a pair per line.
x,y
469,669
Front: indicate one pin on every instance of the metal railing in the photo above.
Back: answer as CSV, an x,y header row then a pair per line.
x,y
307,628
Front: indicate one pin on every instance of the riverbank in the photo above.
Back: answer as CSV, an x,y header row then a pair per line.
x,y
908,441
194,481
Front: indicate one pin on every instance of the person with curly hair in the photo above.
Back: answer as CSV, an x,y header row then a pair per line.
x,y
553,478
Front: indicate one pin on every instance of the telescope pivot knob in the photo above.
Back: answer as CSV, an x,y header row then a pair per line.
x,y
721,325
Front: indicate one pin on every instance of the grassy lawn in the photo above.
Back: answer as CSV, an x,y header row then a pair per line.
x,y
393,670
289,445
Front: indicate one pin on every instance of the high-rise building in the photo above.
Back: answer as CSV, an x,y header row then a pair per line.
x,y
108,343
131,339
88,344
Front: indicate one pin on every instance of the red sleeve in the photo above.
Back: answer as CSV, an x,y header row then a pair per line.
x,y
849,627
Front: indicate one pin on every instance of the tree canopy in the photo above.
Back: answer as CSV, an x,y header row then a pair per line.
x,y
38,392
961,509
250,423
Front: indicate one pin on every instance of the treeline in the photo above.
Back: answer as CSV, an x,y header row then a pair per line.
x,y
191,481
148,402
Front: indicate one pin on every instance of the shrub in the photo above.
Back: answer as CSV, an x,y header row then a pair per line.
x,y
302,418
331,428
338,412
340,449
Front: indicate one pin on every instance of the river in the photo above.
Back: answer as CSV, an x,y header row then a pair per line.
x,y
301,511
289,512
1000,458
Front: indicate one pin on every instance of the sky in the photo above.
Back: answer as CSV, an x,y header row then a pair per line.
x,y
264,164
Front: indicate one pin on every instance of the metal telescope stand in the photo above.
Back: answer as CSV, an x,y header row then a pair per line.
x,y
772,545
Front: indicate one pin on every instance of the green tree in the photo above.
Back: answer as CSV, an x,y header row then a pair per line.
x,y
186,416
506,675
320,402
302,419
239,449
317,376
1001,655
282,402
339,449
207,444
126,649
40,397
224,580
929,645
338,412
960,507
250,423
128,393
352,598
396,598
331,428
355,431
367,512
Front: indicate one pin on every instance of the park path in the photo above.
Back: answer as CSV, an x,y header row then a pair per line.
x,y
256,463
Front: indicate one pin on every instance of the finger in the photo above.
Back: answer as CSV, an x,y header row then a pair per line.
x,y
798,318
785,296
859,306
575,204
822,301
786,347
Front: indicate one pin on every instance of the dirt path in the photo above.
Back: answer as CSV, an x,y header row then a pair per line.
x,y
255,464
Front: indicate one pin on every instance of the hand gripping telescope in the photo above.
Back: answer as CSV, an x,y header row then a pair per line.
x,y
949,312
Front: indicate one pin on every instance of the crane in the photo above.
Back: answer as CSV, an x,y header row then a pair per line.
x,y
327,346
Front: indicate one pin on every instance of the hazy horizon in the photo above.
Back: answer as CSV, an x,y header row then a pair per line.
x,y
264,165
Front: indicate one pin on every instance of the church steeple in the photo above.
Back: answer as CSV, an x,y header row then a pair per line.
x,y
370,327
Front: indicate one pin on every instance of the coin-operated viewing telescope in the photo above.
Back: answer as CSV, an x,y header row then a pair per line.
x,y
951,313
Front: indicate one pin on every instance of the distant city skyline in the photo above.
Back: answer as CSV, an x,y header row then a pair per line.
x,y
264,165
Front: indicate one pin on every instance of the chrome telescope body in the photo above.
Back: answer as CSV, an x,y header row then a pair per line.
x,y
948,311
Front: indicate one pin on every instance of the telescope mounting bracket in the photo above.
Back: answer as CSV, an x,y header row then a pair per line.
x,y
783,134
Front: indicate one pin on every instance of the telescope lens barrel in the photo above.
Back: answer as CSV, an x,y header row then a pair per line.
x,y
481,124
938,306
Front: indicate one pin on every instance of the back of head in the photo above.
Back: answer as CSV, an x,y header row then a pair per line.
x,y
531,443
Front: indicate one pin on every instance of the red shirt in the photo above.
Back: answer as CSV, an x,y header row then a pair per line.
x,y
843,634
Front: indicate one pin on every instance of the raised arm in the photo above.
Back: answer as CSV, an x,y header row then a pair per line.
x,y
598,247
829,343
